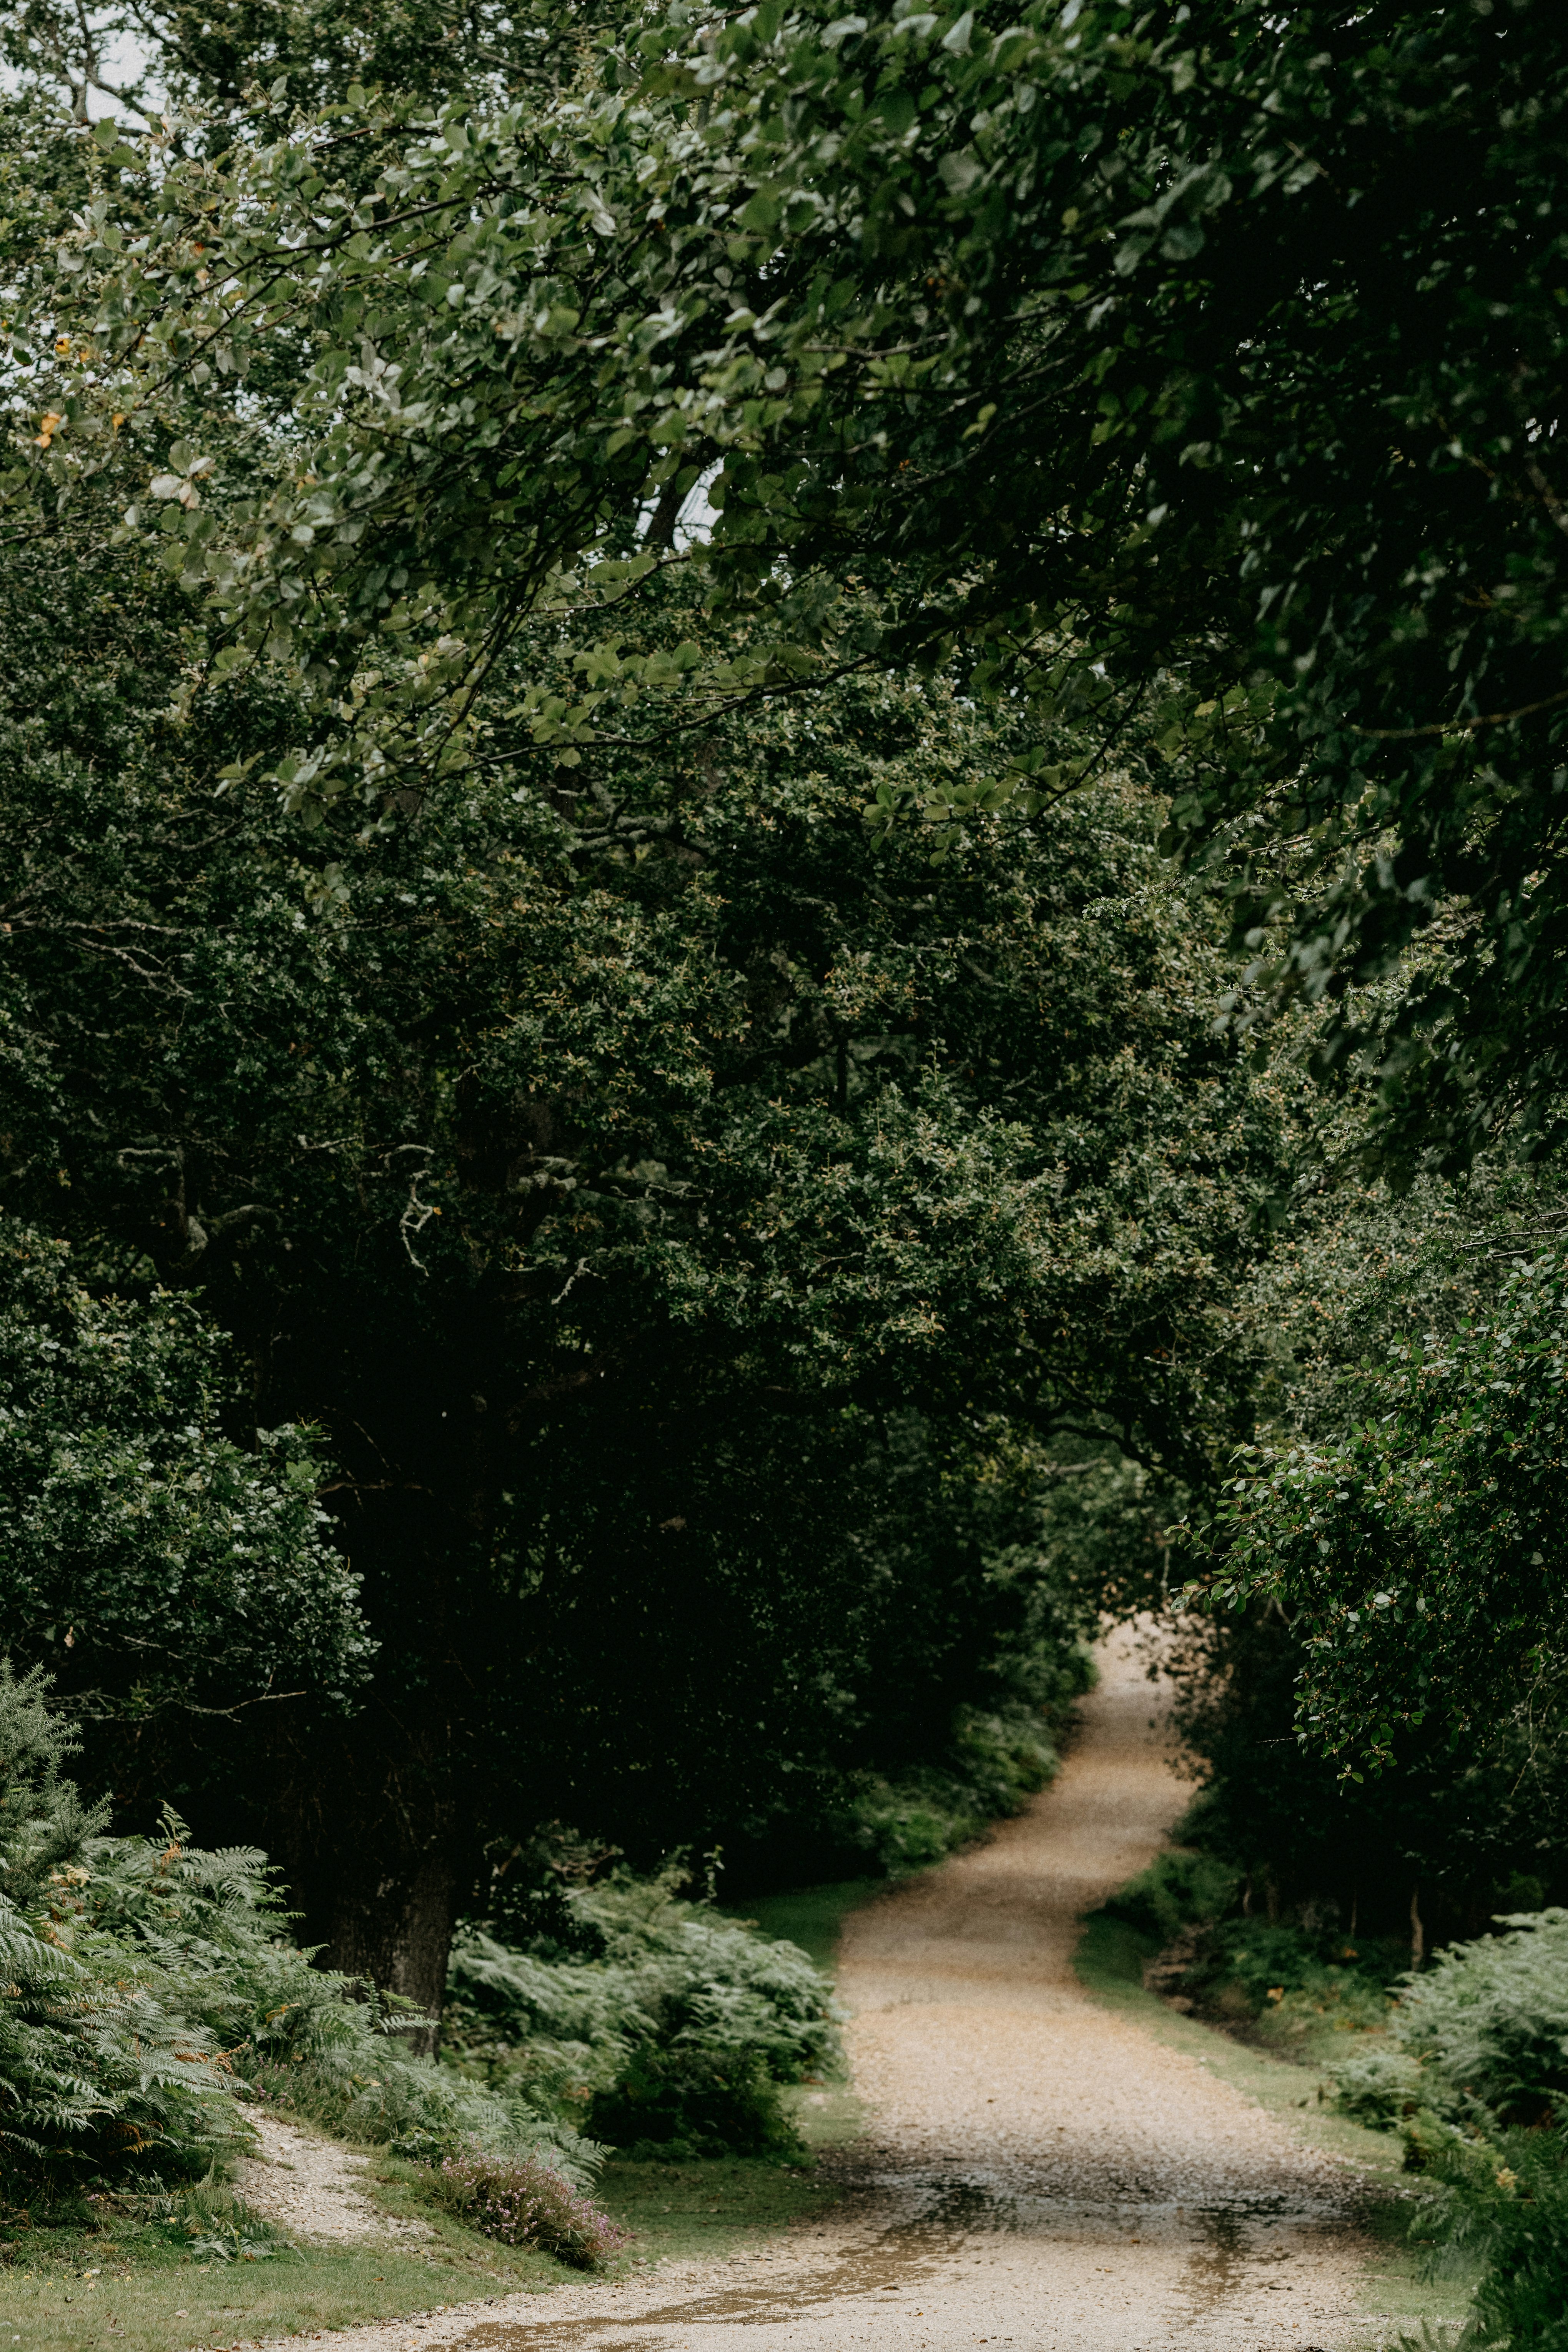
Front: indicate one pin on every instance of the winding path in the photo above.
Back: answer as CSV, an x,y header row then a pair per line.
x,y
1040,2172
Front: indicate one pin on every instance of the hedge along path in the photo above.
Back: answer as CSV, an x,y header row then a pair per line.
x,y
1039,2171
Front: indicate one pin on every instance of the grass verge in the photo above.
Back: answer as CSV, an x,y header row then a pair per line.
x,y
128,2285
812,1917
112,2283
1110,1963
706,2211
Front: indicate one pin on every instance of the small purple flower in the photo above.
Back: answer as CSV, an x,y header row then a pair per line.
x,y
522,2202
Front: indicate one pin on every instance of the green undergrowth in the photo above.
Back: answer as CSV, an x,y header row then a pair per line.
x,y
1111,1960
1299,1988
113,2273
811,1916
66,2277
659,2026
995,1762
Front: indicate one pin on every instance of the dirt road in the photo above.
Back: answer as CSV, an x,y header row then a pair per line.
x,y
1041,2173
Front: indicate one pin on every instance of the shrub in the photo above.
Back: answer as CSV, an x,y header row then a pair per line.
x,y
1508,2207
212,1923
524,2203
695,2101
676,2033
996,1763
1178,1890
1477,2049
1378,2086
100,2071
1487,2023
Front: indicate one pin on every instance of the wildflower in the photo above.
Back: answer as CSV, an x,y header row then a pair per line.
x,y
522,2202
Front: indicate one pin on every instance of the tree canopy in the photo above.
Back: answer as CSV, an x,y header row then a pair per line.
x,y
1190,371
669,1206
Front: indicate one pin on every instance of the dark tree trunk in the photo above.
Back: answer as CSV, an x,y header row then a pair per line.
x,y
394,1927
364,1827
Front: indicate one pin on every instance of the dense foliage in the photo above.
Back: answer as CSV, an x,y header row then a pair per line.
x,y
1467,2061
155,1989
1420,1556
96,2067
1482,2036
665,2024
1475,2072
156,1565
155,1995
759,1295
1109,347
500,536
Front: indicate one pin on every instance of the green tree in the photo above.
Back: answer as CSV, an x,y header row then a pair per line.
x,y
1192,370
1420,1555
615,1167
166,1574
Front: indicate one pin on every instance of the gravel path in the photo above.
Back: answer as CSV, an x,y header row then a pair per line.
x,y
308,2186
1039,2172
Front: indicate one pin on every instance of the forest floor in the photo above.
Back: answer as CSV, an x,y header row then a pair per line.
x,y
1050,2159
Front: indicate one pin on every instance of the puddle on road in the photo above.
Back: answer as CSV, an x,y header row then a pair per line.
x,y
892,2260
943,2213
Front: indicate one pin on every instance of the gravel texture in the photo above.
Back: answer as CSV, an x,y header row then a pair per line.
x,y
1038,2172
307,2186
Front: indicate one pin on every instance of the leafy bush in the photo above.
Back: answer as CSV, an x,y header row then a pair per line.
x,y
152,1562
100,2070
1508,2207
688,2101
1297,1977
296,2035
1281,1965
1378,2086
1474,2074
996,1763
1481,2035
1178,1890
525,2203
675,2033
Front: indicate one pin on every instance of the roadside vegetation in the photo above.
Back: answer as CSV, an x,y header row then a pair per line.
x,y
1462,2063
783,904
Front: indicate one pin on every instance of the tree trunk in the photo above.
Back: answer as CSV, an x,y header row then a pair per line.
x,y
366,1829
1418,1932
397,1932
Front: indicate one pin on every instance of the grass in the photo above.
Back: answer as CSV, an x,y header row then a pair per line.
x,y
126,2284
88,2285
812,1917
703,2211
1110,1963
